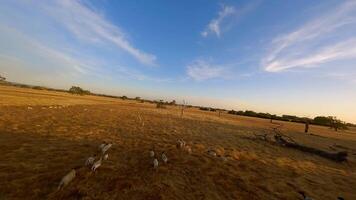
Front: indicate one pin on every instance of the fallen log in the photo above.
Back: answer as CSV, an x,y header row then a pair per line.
x,y
338,157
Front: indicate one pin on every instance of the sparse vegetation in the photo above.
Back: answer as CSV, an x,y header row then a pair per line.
x,y
160,104
2,78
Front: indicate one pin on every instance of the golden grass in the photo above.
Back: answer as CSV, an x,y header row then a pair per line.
x,y
40,145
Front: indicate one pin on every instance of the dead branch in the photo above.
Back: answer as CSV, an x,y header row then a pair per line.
x,y
289,142
338,157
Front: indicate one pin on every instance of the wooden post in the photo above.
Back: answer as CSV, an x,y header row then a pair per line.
x,y
306,126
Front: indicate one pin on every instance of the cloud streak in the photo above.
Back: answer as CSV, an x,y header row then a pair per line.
x,y
214,26
200,70
327,38
89,26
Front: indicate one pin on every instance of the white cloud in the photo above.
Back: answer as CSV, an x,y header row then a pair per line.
x,y
202,70
90,26
327,38
214,26
30,50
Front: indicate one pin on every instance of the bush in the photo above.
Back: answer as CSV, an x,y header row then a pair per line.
x,y
78,90
160,104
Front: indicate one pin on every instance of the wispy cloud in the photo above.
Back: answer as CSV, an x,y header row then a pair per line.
x,y
127,73
90,26
31,50
214,25
200,70
326,38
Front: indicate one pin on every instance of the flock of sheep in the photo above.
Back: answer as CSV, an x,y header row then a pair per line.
x,y
94,162
90,162
49,107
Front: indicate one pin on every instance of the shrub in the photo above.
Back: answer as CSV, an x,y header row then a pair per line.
x,y
78,90
2,78
160,104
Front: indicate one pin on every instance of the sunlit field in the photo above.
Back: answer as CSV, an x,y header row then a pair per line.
x,y
43,135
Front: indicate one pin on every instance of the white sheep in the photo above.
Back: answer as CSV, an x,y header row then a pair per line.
x,y
90,161
212,152
180,144
152,154
105,148
67,178
188,149
97,164
102,145
155,163
164,157
106,156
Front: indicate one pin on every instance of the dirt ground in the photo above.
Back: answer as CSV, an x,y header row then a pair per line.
x,y
43,135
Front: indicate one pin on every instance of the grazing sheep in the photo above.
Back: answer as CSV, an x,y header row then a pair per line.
x,y
97,164
105,148
106,156
223,158
188,149
152,154
155,163
212,152
305,197
164,157
180,144
67,178
90,161
29,108
102,145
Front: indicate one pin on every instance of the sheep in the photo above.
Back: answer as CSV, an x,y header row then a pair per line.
x,y
155,163
212,152
164,157
97,164
102,145
29,108
90,161
105,148
305,197
106,156
188,149
180,144
66,179
152,153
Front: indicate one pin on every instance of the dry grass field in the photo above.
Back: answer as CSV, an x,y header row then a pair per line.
x,y
39,146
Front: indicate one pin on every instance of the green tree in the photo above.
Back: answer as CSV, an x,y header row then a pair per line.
x,y
78,90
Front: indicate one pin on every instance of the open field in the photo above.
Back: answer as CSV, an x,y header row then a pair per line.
x,y
40,145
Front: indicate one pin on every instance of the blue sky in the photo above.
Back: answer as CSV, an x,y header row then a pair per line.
x,y
283,57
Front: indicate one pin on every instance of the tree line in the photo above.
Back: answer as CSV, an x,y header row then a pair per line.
x,y
329,121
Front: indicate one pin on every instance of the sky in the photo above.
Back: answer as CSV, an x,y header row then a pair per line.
x,y
281,57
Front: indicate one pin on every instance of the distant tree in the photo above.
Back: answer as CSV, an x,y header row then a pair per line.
x,y
321,120
137,98
173,102
160,104
337,124
124,97
2,78
78,90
